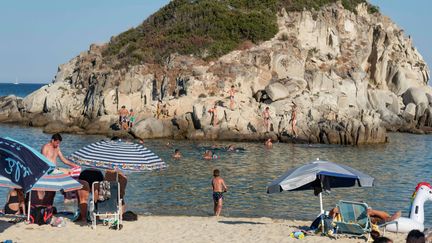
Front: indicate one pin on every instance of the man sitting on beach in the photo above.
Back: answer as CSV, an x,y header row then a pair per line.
x,y
219,187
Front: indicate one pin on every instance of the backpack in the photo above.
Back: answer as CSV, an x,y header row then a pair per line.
x,y
129,216
41,215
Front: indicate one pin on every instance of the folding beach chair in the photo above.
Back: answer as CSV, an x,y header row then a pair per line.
x,y
354,219
108,207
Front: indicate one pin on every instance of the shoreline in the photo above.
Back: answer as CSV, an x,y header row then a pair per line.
x,y
174,229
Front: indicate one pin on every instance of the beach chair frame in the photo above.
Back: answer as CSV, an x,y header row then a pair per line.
x,y
355,221
117,213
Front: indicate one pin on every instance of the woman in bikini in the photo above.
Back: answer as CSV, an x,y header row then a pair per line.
x,y
231,93
294,119
213,111
266,115
15,202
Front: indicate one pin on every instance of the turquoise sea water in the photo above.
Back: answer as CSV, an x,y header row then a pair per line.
x,y
20,90
184,188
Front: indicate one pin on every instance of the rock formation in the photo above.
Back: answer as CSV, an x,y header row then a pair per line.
x,y
352,76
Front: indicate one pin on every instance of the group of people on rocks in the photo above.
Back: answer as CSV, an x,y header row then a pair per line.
x,y
265,114
126,118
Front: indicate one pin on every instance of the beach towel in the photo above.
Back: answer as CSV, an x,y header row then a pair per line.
x,y
74,173
104,191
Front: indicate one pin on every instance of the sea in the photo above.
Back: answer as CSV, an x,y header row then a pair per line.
x,y
184,188
20,90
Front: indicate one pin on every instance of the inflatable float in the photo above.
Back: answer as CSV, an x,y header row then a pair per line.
x,y
422,193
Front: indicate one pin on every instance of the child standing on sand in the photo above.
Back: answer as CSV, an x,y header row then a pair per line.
x,y
219,187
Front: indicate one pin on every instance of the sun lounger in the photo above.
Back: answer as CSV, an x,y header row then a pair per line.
x,y
108,207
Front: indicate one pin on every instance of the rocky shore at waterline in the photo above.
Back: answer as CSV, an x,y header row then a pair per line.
x,y
353,77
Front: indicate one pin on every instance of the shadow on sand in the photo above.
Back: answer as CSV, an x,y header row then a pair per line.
x,y
239,222
4,225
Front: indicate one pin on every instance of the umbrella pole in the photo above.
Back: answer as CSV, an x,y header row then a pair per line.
x,y
321,212
29,205
321,203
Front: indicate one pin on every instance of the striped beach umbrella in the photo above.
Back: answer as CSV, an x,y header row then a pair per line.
x,y
56,181
113,155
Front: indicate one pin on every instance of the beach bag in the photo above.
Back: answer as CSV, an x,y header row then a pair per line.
x,y
129,216
327,220
41,215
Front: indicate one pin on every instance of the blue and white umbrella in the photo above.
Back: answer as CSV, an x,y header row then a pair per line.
x,y
117,155
320,176
56,181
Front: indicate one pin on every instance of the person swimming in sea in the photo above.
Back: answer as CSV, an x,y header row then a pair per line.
x,y
268,143
208,155
177,154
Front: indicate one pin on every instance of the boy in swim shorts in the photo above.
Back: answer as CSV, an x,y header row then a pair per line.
x,y
219,187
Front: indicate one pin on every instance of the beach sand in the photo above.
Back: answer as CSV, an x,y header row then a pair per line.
x,y
172,229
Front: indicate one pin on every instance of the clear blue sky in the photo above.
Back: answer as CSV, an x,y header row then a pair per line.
x,y
37,36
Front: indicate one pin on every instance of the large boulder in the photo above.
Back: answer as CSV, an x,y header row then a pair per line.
x,y
416,96
152,128
10,107
277,91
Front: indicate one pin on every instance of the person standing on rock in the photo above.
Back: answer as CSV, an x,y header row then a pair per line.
x,y
294,119
158,109
123,114
231,93
131,118
213,111
266,115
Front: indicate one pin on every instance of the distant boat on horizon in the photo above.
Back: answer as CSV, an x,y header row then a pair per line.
x,y
16,81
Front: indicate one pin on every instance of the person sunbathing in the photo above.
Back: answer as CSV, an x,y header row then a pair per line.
x,y
376,216
15,202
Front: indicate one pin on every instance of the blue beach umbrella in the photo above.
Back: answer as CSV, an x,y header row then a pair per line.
x,y
320,176
21,164
117,155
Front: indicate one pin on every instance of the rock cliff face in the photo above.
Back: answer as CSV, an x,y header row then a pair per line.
x,y
353,76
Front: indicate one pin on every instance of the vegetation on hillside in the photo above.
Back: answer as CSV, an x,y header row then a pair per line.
x,y
204,28
299,5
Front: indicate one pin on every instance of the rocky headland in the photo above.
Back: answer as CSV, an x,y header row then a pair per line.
x,y
354,75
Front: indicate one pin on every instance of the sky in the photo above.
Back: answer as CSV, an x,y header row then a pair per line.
x,y
37,36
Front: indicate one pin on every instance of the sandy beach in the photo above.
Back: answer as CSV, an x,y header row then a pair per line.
x,y
172,229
